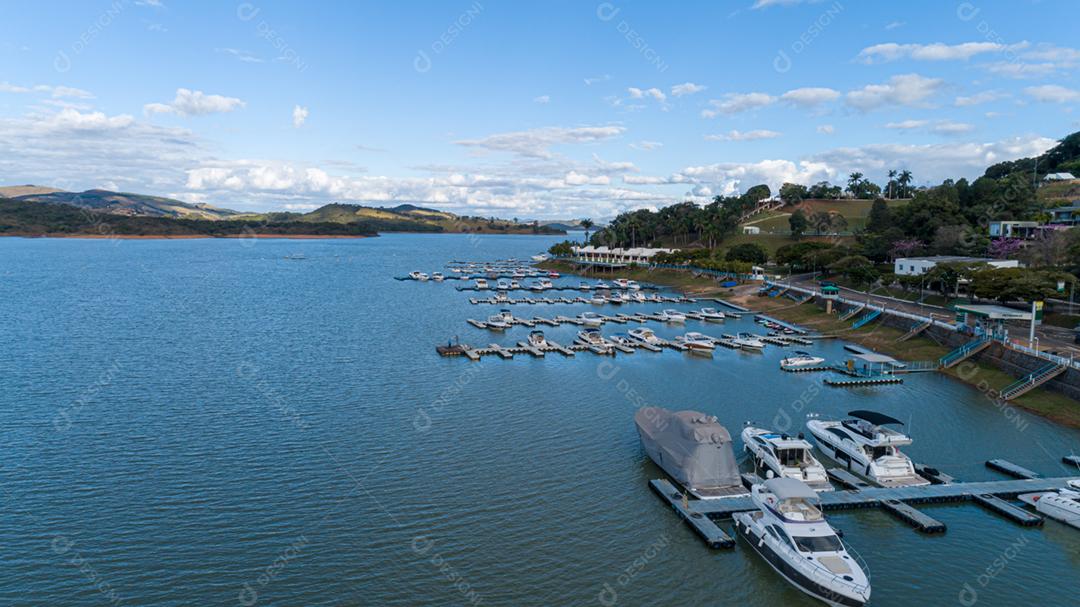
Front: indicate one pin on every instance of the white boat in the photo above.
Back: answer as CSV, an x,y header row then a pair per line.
x,y
693,448
601,285
437,276
698,341
497,322
481,283
801,359
593,339
418,276
786,457
537,339
672,316
790,532
622,339
748,341
590,319
866,447
541,257
502,285
584,286
637,297
515,284
622,283
633,285
712,314
646,335
1062,505
502,297
542,284
618,297
598,300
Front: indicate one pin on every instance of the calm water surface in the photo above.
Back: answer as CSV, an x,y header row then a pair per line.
x,y
204,422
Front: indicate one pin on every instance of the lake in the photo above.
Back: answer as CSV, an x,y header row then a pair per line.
x,y
205,422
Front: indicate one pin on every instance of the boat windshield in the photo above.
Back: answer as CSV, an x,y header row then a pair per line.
x,y
879,452
799,509
792,457
821,543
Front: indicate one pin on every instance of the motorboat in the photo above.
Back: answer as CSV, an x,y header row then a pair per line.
x,y
618,297
481,283
712,314
502,297
601,285
672,316
637,297
518,273
622,283
646,335
437,276
633,285
584,286
537,339
542,284
864,445
591,319
515,284
801,359
622,339
418,276
502,285
553,274
748,341
785,457
698,341
598,300
541,257
693,448
789,531
497,322
593,339
1062,505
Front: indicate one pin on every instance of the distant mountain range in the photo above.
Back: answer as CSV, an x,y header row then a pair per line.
x,y
402,218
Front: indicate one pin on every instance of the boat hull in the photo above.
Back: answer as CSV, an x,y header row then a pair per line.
x,y
827,444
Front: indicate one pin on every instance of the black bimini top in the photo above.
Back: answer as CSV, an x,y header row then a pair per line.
x,y
878,419
838,432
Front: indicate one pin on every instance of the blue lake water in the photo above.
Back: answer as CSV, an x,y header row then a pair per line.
x,y
205,422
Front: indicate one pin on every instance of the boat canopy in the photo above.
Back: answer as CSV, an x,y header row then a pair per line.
x,y
790,488
693,447
878,419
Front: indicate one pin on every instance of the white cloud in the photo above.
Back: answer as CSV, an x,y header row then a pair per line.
x,y
686,88
949,127
240,55
904,89
810,96
977,98
655,93
767,3
646,146
826,129
299,116
744,136
891,51
542,99
894,25
595,79
1020,69
194,103
1053,93
54,91
906,124
733,103
536,143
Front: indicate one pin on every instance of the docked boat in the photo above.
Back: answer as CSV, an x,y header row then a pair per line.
x,y
502,285
593,339
622,339
542,284
646,335
618,297
481,283
584,286
541,257
866,447
502,297
437,276
591,319
698,341
418,276
1062,505
622,283
672,316
786,457
801,359
598,300
637,297
497,322
515,284
748,341
633,285
712,314
553,274
601,285
692,448
537,339
790,532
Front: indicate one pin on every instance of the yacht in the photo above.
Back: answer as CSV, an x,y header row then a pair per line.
x,y
502,297
672,316
622,283
515,284
693,448
437,276
712,314
502,285
497,322
748,341
601,285
1061,505
542,284
645,334
786,457
637,297
622,339
590,319
801,359
633,285
584,286
866,447
537,339
698,341
553,274
593,339
481,283
618,297
541,257
790,532
598,300
418,276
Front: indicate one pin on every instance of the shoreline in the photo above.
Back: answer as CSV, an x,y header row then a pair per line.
x,y
1045,403
186,236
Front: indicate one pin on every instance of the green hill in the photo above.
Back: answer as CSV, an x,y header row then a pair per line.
x,y
124,203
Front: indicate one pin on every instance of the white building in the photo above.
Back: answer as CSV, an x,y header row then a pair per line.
x,y
917,266
1059,177
617,255
751,230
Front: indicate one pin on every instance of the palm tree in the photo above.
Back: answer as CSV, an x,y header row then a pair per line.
x,y
904,179
854,183
587,224
892,179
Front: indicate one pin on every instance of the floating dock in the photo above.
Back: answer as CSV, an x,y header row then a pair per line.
x,y
921,522
1014,513
866,381
1014,470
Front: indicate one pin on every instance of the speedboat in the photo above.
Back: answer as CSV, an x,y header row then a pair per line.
x,y
542,284
712,314
598,300
633,285
618,297
590,319
593,339
515,284
537,339
622,339
601,285
672,316
502,297
801,359
693,448
748,341
553,274
418,276
1061,505
502,285
646,335
786,457
437,276
497,322
790,532
481,283
698,341
637,297
866,447
541,257
622,283
584,286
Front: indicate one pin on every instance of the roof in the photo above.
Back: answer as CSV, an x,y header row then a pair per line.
x,y
945,258
878,419
790,488
1061,176
873,357
995,312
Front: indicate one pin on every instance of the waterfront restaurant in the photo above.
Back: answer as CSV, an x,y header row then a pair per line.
x,y
616,257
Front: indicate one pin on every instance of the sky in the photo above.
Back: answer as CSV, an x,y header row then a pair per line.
x,y
554,109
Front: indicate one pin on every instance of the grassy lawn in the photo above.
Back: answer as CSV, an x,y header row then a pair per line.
x,y
772,242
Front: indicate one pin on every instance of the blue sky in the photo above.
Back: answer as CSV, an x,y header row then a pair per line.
x,y
529,109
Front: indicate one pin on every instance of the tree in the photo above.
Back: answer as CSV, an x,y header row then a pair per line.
x,y
758,193
562,249
1017,284
892,181
793,193
855,267
749,252
903,181
587,224
880,218
1004,248
798,223
854,183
